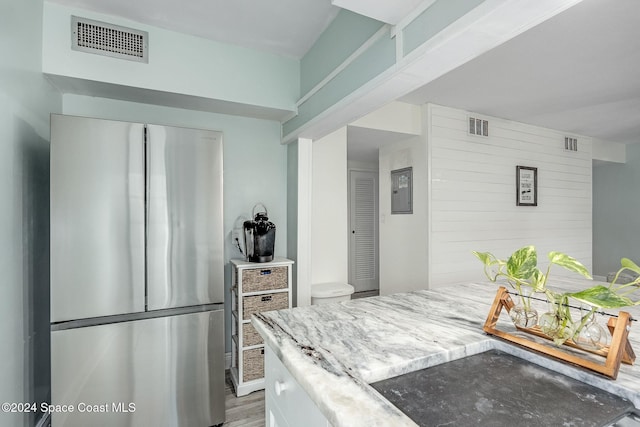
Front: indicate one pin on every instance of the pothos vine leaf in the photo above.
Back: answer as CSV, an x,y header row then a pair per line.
x,y
568,262
628,264
523,263
602,297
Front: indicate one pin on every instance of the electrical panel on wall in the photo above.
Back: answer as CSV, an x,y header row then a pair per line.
x,y
402,191
478,126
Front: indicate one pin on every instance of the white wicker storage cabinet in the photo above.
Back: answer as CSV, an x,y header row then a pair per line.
x,y
255,287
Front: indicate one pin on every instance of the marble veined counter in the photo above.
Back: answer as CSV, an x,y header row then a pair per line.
x,y
335,351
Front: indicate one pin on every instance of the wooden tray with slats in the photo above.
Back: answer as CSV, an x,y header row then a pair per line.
x,y
619,351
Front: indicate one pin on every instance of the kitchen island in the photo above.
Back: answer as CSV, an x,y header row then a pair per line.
x,y
334,352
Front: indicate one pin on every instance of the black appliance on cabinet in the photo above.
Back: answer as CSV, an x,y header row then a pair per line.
x,y
259,236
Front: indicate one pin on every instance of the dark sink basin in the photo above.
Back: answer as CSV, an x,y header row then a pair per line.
x,y
497,389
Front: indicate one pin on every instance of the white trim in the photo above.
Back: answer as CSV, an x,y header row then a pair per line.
x,y
426,117
305,189
478,20
455,29
362,49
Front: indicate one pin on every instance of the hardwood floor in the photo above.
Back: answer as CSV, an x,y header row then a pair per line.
x,y
245,411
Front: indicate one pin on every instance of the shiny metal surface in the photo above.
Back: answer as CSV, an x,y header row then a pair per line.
x,y
97,218
129,317
166,371
185,253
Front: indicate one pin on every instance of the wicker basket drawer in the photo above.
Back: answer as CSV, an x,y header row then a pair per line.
x,y
267,302
252,364
264,279
250,336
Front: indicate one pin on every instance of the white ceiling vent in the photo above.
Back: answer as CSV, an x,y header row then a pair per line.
x,y
109,40
478,127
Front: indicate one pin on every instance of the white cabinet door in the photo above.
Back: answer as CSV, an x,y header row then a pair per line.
x,y
274,417
286,403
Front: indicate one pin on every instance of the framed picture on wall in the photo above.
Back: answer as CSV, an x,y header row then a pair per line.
x,y
526,186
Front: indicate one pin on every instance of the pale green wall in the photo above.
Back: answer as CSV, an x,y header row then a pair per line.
x,y
433,20
346,33
292,212
25,102
616,203
178,63
255,163
378,58
382,59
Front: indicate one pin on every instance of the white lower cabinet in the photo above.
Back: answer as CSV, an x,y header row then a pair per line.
x,y
286,403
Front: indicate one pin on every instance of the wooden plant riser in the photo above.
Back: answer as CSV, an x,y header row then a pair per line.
x,y
619,351
628,357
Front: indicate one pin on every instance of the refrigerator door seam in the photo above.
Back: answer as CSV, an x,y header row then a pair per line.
x,y
145,148
130,317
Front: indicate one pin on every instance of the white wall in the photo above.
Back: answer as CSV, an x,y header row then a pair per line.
x,y
26,100
292,214
394,117
473,194
362,166
255,163
178,63
303,227
329,213
403,237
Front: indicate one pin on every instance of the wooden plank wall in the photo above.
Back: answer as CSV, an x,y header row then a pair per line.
x,y
473,196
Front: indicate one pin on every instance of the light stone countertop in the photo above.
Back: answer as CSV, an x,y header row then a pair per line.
x,y
335,351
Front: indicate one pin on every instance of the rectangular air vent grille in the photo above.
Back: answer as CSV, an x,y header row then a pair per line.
x,y
478,127
570,144
109,40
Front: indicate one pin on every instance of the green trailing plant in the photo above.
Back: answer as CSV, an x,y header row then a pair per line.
x,y
521,270
614,295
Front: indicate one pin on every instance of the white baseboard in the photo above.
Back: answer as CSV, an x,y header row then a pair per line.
x,y
227,361
600,278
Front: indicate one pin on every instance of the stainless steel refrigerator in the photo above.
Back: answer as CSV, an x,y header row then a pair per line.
x,y
137,325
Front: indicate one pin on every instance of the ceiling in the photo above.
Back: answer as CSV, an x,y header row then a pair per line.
x,y
577,72
390,12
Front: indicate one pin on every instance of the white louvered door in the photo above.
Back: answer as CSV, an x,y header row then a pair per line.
x,y
363,229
